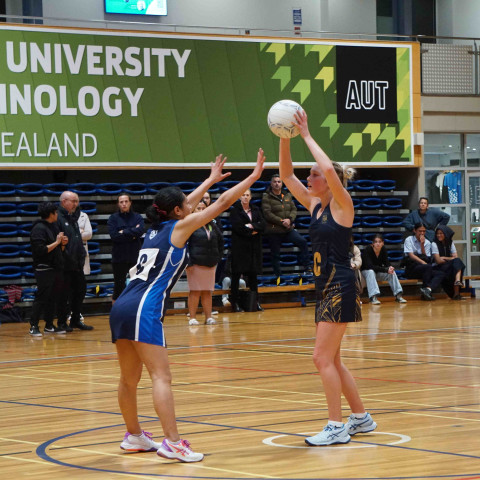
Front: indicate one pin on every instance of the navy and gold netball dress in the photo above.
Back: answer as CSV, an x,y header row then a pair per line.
x,y
337,297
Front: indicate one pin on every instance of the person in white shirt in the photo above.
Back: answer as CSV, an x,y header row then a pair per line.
x,y
418,256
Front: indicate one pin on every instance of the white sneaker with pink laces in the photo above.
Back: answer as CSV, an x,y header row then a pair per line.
x,y
180,451
139,443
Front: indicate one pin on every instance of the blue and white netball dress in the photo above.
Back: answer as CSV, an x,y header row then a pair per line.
x,y
138,312
337,297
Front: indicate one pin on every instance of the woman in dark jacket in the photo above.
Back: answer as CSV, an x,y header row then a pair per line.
x,y
445,256
248,225
205,249
125,228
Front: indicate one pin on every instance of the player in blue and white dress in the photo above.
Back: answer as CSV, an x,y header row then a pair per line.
x,y
136,319
338,303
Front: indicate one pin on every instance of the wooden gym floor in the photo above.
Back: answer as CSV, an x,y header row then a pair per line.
x,y
247,393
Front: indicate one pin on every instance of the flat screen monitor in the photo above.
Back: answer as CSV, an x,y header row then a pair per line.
x,y
136,7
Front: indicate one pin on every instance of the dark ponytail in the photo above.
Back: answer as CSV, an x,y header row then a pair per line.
x,y
164,203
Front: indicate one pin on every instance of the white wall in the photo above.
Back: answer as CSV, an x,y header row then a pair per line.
x,y
345,16
458,18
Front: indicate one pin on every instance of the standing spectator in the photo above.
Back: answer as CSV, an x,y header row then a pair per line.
x,y
47,242
74,284
86,231
445,256
430,217
418,251
126,229
205,247
280,212
246,253
376,266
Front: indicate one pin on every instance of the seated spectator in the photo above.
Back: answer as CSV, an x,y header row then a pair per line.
x,y
356,263
280,212
376,266
430,217
445,256
205,247
418,258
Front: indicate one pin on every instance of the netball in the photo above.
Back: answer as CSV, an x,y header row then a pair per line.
x,y
281,120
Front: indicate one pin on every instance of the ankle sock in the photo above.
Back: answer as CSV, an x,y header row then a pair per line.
x,y
335,424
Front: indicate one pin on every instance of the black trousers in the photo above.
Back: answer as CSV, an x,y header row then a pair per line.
x,y
120,271
431,277
250,279
49,286
72,296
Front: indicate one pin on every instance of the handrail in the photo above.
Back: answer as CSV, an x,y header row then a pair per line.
x,y
247,30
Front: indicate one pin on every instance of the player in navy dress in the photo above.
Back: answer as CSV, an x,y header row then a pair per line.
x,y
338,304
136,319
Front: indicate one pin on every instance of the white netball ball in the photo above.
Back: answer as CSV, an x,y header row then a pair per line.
x,y
281,118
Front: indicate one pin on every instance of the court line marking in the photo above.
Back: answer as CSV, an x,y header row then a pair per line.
x,y
402,439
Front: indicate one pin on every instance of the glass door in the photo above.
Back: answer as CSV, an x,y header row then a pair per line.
x,y
473,223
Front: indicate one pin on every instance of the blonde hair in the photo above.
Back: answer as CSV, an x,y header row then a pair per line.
x,y
344,173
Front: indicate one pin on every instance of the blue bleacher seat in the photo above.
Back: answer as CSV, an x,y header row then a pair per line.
x,y
24,229
395,255
393,238
135,188
84,188
95,268
55,188
303,221
10,272
357,221
109,188
367,238
28,294
288,259
7,189
94,227
372,203
385,185
357,238
357,203
186,187
392,203
226,184
9,250
29,208
259,186
25,250
93,247
27,271
88,207
32,189
8,230
8,209
364,185
154,187
372,221
392,221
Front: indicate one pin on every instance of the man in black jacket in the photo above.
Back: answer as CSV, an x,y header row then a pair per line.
x,y
75,285
47,242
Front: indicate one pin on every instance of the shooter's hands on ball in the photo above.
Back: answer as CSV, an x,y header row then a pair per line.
x,y
216,173
257,171
301,121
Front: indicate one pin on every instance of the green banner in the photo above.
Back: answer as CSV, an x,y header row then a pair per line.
x,y
95,98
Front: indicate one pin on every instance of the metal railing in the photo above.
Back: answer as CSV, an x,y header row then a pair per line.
x,y
449,65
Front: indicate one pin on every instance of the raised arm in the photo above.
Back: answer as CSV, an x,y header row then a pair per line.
x,y
216,175
340,194
296,187
185,227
